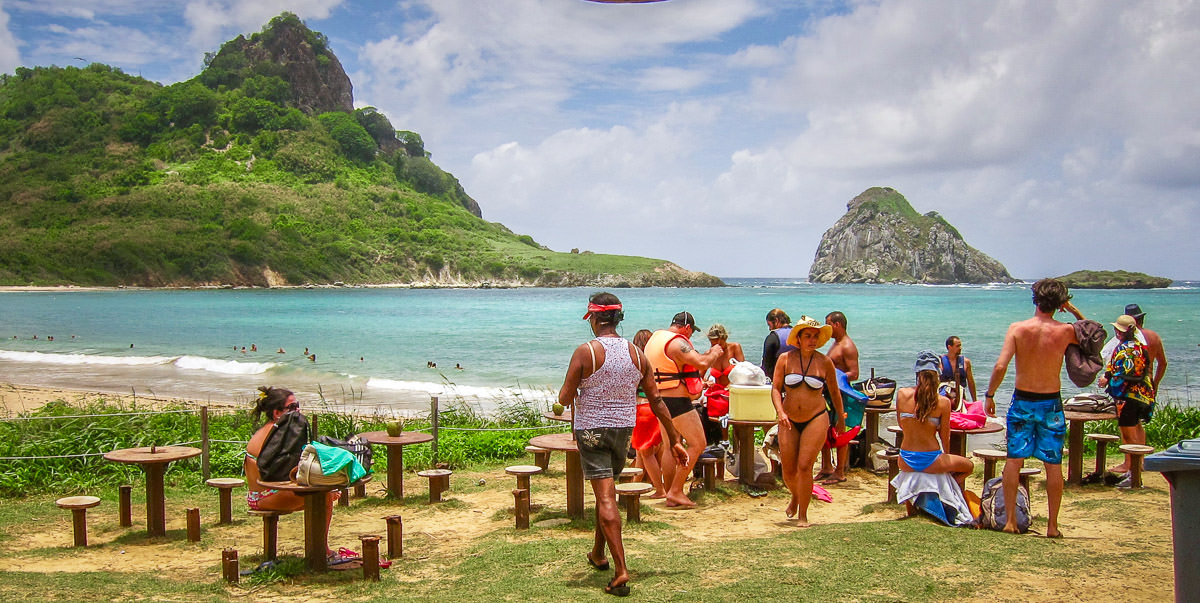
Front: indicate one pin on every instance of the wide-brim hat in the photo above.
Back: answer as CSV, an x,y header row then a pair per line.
x,y
1124,323
808,322
1135,311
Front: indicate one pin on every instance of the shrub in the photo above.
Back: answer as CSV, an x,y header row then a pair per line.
x,y
351,138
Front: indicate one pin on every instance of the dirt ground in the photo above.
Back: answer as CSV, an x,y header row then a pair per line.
x,y
446,530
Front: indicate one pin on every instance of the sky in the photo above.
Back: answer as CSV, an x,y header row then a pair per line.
x,y
728,135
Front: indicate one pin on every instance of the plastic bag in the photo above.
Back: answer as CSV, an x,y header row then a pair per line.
x,y
746,373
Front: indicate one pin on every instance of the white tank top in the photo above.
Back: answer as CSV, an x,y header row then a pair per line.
x,y
608,397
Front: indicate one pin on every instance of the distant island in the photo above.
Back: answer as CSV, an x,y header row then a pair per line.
x,y
1113,279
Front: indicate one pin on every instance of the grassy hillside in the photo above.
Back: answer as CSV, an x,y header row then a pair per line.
x,y
1113,279
109,179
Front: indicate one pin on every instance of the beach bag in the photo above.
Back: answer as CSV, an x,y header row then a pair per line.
x,y
281,450
879,390
309,471
992,515
949,389
355,445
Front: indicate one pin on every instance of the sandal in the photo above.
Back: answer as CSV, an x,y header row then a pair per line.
x,y
599,566
832,480
617,591
349,554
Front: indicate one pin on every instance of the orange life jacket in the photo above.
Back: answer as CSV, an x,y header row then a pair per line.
x,y
668,374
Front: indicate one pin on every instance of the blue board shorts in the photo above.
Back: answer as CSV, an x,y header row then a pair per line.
x,y
1036,427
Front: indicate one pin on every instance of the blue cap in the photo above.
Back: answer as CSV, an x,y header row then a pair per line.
x,y
927,360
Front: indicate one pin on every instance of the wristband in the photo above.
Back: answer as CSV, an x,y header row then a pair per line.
x,y
986,396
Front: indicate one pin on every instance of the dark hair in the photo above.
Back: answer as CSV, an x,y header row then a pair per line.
x,y
837,318
927,394
607,317
1049,294
641,337
778,315
950,340
270,400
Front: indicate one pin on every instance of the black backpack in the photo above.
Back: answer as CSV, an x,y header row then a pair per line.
x,y
281,451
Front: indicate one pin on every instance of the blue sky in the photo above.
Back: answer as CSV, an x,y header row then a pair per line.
x,y
728,135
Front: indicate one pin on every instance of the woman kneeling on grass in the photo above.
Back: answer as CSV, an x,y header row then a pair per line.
x,y
924,416
801,376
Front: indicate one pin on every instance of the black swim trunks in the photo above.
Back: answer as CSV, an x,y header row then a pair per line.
x,y
678,405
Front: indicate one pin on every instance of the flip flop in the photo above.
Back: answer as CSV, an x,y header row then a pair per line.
x,y
336,559
822,476
833,480
617,591
598,566
347,553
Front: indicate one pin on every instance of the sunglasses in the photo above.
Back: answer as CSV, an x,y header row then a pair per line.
x,y
292,406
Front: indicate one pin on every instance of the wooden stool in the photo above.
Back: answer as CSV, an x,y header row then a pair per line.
x,y
439,481
629,474
631,495
270,521
1025,473
990,458
541,456
78,506
708,469
893,461
1102,442
521,506
895,429
1137,451
225,486
523,472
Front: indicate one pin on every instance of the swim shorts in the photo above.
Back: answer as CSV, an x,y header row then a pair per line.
x,y
678,405
1036,427
646,432
603,450
1132,412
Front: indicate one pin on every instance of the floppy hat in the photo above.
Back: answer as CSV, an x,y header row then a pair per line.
x,y
808,322
1135,311
1124,323
927,360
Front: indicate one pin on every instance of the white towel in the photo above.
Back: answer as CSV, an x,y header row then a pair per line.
x,y
911,483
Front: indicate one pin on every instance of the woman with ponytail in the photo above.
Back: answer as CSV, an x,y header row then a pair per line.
x,y
924,417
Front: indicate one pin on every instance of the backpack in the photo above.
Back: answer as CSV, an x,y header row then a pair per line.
x,y
993,516
281,451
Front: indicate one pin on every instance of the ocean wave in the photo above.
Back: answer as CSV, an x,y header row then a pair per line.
x,y
469,391
85,359
224,367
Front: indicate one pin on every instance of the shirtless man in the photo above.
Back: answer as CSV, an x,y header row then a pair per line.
x,y
1036,425
678,369
844,355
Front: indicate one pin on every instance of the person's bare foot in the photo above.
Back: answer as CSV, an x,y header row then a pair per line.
x,y
1011,528
833,479
802,522
790,511
679,502
1054,534
824,475
658,495
1122,468
601,564
618,586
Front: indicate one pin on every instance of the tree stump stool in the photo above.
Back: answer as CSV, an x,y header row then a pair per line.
x,y
541,456
78,506
225,486
1025,473
1102,441
523,472
630,494
521,506
708,469
439,481
893,461
270,520
990,458
1137,451
629,474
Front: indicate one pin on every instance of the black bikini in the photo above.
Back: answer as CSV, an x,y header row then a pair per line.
x,y
803,380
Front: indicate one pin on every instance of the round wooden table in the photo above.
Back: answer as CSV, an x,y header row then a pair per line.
x,y
566,443
316,538
872,422
564,417
743,434
395,455
153,459
958,437
1075,430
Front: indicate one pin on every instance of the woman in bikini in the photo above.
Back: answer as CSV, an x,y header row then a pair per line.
x,y
717,392
801,378
924,417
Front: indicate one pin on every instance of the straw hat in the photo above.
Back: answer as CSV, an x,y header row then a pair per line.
x,y
808,322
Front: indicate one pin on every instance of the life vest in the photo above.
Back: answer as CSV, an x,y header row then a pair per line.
x,y
667,374
782,333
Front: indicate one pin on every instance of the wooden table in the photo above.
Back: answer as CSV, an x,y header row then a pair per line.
x,y
566,443
154,459
872,423
743,433
565,416
1075,440
958,437
395,455
316,520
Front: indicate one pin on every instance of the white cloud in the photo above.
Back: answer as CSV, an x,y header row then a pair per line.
x,y
213,21
10,56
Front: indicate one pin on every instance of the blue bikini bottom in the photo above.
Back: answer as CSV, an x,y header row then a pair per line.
x,y
920,461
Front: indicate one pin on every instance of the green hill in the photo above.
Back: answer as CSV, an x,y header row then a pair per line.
x,y
1113,279
255,172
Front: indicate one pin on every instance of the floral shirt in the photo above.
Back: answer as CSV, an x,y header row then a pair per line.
x,y
1127,374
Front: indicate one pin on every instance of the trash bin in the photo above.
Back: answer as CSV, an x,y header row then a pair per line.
x,y
1180,464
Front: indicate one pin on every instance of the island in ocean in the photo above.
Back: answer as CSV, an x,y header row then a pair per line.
x,y
1113,279
259,171
882,239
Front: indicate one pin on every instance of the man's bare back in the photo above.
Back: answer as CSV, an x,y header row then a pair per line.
x,y
1040,343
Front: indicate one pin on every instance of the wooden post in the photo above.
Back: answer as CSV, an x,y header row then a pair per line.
x,y
270,537
370,557
204,444
193,524
633,508
893,471
125,506
395,536
312,432
433,414
521,502
229,565
79,526
344,499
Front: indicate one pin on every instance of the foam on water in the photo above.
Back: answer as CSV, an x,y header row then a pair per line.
x,y
79,359
225,367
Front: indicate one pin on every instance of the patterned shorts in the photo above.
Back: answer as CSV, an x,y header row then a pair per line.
x,y
603,450
1036,428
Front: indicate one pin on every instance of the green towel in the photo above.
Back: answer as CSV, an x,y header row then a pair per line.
x,y
333,459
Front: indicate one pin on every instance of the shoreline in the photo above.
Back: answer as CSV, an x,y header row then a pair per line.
x,y
18,398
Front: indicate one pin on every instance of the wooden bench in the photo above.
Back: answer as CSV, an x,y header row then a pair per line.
x,y
439,481
630,494
270,521
541,456
225,486
1137,451
629,474
78,506
990,458
893,461
708,469
1025,473
1102,441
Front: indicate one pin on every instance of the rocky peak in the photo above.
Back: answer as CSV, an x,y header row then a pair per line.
x,y
881,239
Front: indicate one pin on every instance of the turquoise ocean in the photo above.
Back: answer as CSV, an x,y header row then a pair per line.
x,y
373,345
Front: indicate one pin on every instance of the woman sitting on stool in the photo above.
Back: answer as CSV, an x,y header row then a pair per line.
x,y
924,416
